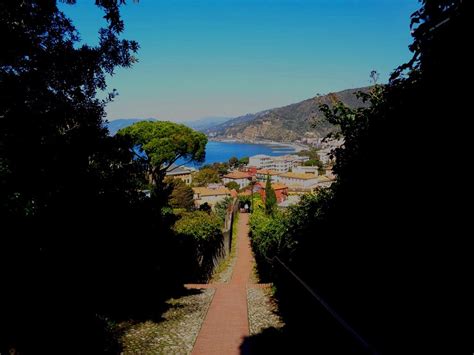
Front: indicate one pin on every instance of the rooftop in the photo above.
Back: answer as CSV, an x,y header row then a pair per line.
x,y
279,186
299,176
238,175
267,172
205,191
180,170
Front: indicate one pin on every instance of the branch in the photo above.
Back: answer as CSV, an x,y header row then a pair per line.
x,y
178,166
172,162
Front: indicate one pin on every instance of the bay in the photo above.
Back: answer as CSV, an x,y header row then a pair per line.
x,y
223,151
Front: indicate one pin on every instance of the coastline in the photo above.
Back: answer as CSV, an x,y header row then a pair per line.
x,y
297,147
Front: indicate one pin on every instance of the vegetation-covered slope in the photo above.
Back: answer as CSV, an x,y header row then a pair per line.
x,y
286,123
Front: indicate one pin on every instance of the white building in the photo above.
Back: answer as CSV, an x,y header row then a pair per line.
x,y
260,161
296,181
281,163
262,174
306,170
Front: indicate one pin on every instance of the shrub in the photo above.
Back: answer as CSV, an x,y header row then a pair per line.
x,y
201,236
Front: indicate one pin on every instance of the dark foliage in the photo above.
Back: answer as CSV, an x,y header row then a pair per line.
x,y
181,195
387,248
74,251
200,236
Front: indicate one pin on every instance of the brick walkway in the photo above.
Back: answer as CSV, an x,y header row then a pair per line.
x,y
226,323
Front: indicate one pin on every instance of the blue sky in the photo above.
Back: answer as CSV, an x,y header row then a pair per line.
x,y
231,57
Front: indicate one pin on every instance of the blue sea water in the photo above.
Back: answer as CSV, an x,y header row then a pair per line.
x,y
223,151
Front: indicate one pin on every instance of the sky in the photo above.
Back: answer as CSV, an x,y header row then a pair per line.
x,y
231,57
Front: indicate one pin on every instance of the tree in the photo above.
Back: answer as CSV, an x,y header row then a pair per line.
x,y
243,161
232,185
377,282
160,144
270,197
182,195
206,176
233,162
62,179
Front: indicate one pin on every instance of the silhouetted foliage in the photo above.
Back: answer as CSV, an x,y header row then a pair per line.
x,y
368,245
205,207
75,254
182,195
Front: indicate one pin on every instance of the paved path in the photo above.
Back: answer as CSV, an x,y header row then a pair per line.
x,y
226,323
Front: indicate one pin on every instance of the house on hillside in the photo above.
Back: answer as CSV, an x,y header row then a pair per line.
x,y
240,177
325,181
306,170
182,173
281,191
210,195
298,182
263,173
279,163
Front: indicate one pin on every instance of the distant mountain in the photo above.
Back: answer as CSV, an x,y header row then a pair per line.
x,y
205,123
285,124
120,123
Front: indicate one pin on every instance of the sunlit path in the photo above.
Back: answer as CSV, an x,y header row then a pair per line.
x,y
226,324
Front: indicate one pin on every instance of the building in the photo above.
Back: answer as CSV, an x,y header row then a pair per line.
x,y
260,161
301,182
262,174
291,201
182,173
210,195
281,163
281,191
241,178
306,170
325,181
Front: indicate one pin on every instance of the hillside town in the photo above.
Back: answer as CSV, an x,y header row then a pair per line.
x,y
290,175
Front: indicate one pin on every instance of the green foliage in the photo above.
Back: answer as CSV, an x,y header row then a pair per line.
x,y
243,161
233,162
161,144
221,168
201,226
270,197
313,162
232,185
201,233
222,207
206,176
182,195
311,153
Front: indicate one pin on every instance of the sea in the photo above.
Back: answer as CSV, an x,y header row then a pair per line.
x,y
223,151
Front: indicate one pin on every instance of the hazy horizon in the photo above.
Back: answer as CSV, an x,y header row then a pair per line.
x,y
228,58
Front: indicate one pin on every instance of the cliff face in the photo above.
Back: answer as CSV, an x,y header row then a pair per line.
x,y
287,123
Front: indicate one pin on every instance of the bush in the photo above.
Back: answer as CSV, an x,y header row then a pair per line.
x,y
221,208
201,236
